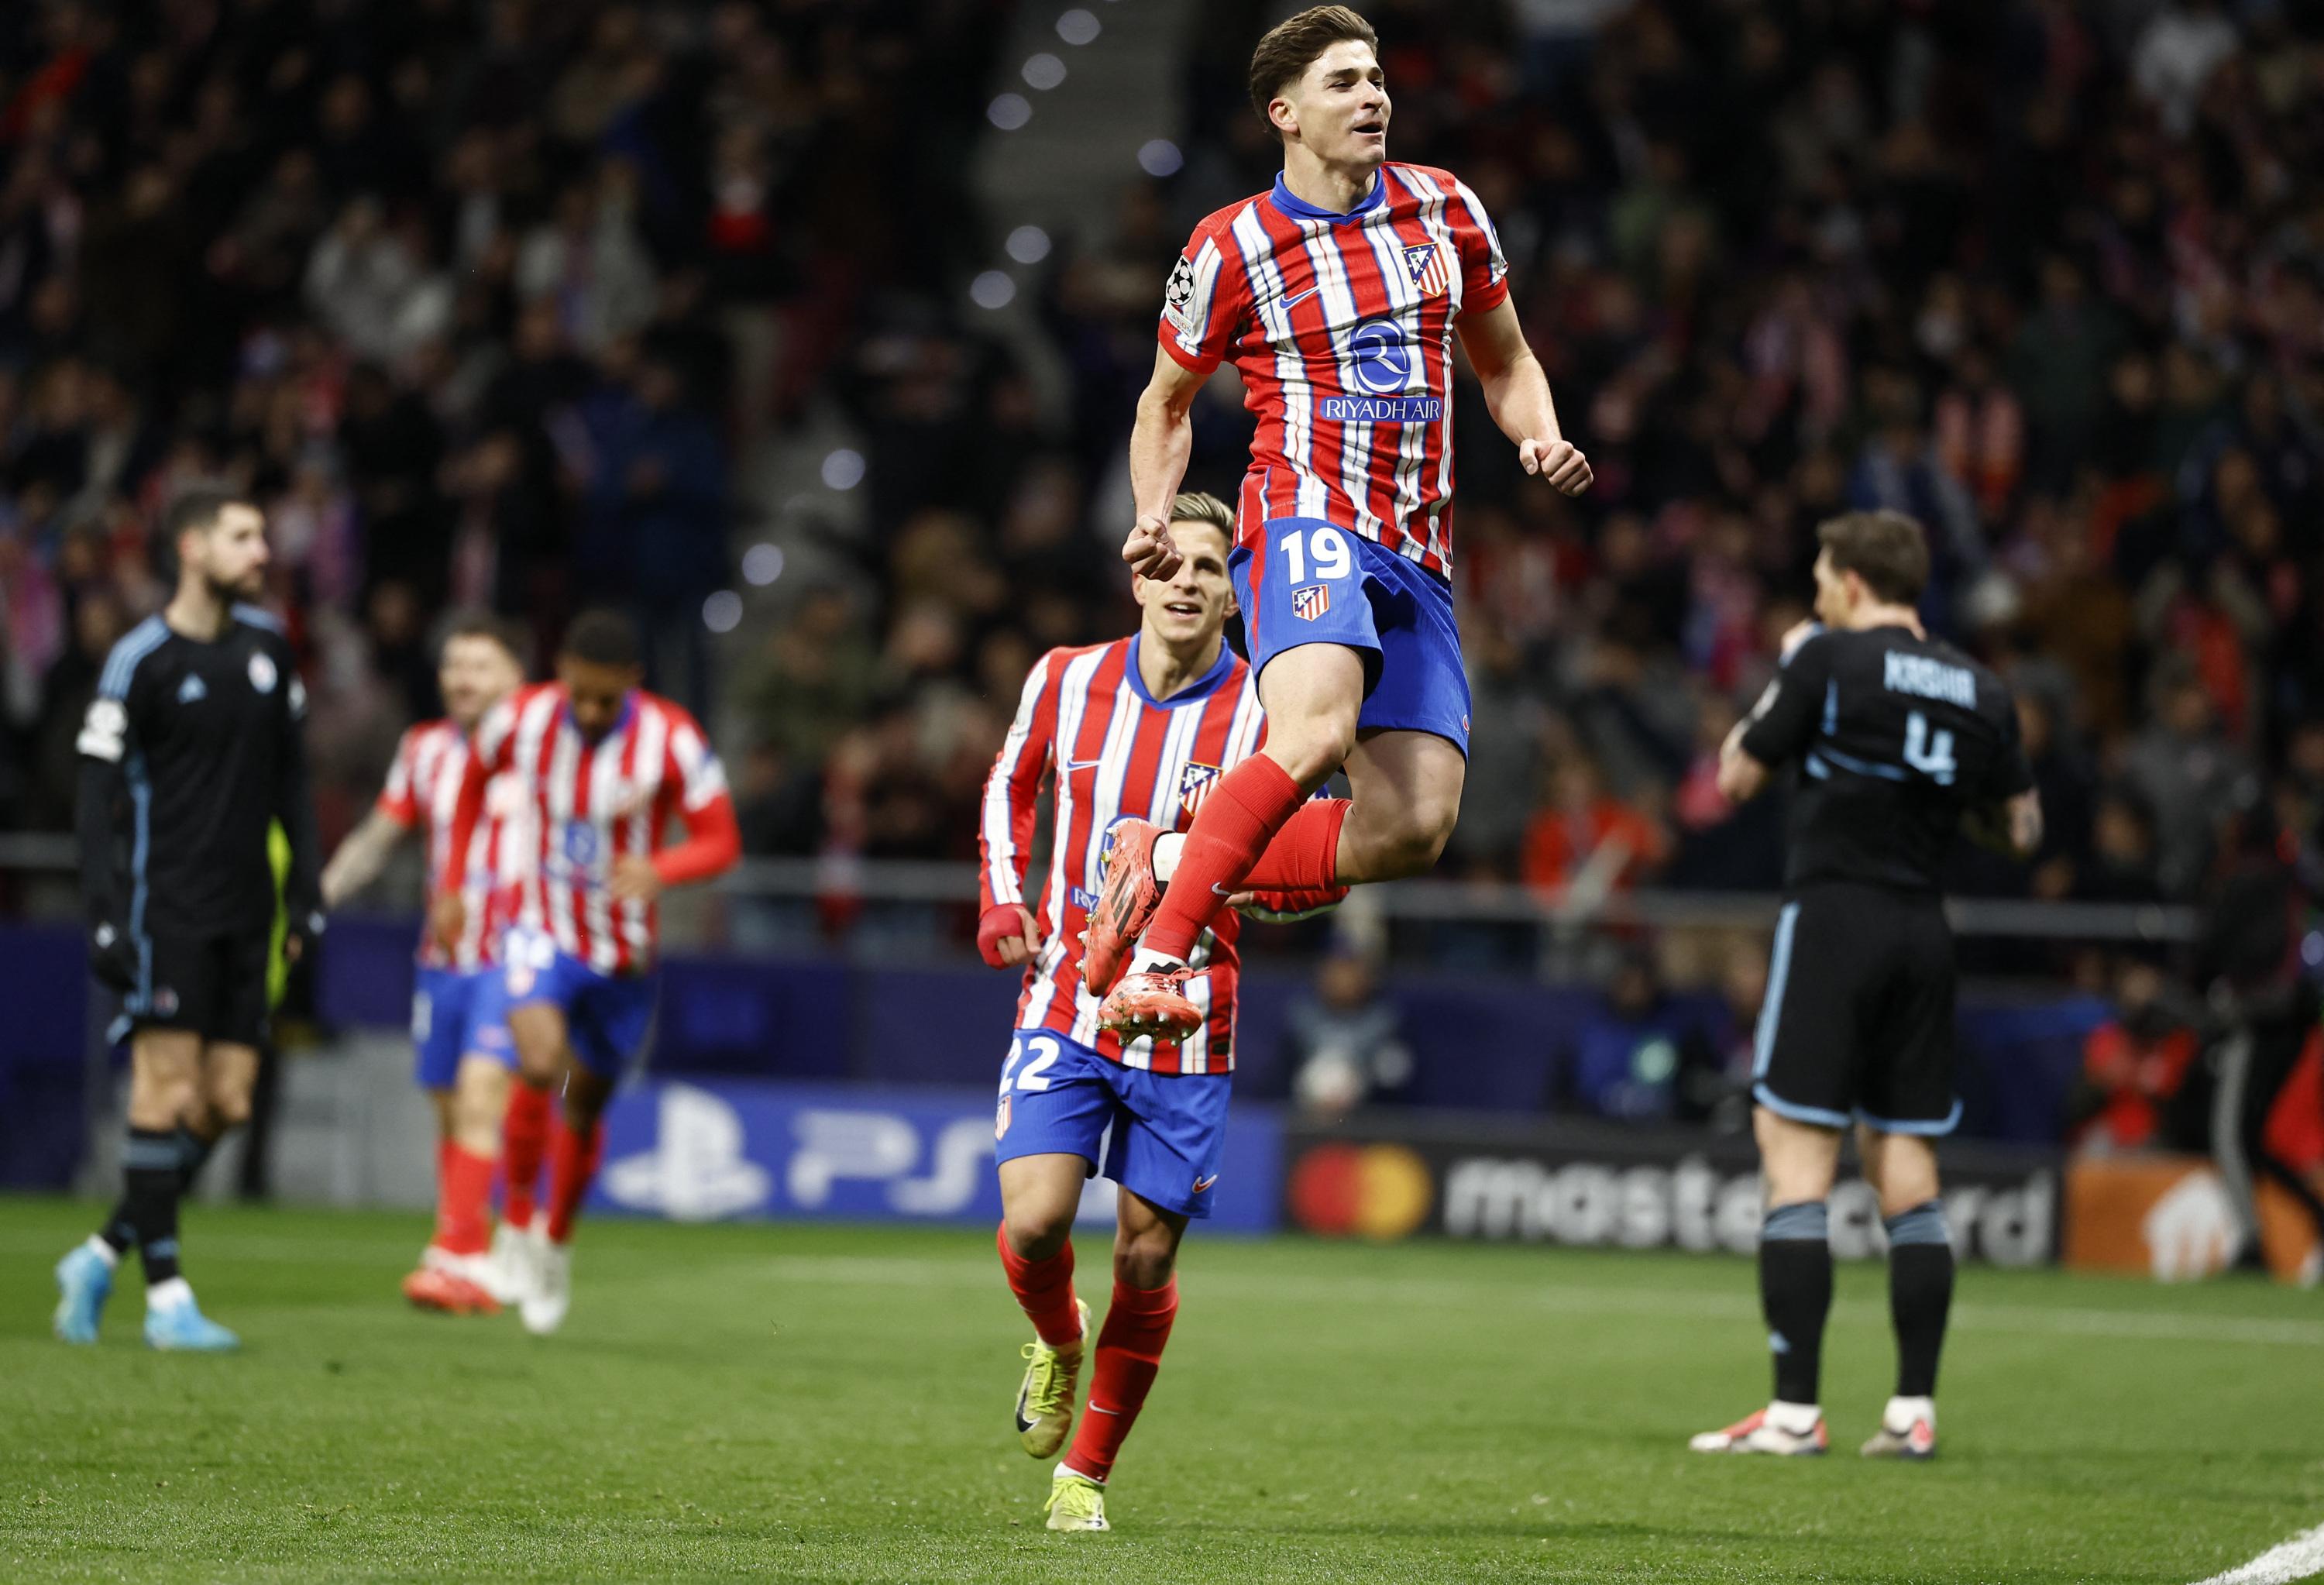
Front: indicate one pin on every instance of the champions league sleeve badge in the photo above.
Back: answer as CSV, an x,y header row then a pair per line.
x,y
1179,292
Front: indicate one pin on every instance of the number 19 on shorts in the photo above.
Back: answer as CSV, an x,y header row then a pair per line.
x,y
1333,557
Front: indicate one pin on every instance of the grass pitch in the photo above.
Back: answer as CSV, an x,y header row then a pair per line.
x,y
833,1404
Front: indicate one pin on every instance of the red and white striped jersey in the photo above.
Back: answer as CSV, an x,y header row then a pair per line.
x,y
587,805
1115,752
1342,328
423,788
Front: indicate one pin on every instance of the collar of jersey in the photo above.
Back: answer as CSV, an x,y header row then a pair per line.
x,y
620,723
1201,688
1300,208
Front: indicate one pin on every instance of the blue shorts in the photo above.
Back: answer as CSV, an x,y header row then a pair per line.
x,y
1167,1129
606,1016
457,1013
1305,581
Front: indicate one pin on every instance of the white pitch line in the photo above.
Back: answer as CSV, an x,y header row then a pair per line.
x,y
1723,1308
2296,1558
2080,1320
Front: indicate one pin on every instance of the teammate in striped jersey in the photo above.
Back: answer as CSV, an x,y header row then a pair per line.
x,y
602,769
459,1027
1337,296
1140,730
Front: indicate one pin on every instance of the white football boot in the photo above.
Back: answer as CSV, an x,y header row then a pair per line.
x,y
1786,1430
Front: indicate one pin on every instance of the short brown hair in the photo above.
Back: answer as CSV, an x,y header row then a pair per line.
x,y
1290,48
1200,506
483,625
1886,548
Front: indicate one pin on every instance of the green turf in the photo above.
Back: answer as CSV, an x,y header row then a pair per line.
x,y
833,1404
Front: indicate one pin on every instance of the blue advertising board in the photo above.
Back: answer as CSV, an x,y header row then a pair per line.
x,y
701,1150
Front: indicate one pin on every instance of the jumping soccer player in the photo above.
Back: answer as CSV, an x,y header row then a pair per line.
x,y
193,748
602,766
1336,295
1140,729
459,1029
1897,737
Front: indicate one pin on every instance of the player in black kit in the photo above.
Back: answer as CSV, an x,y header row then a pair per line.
x,y
1899,741
193,749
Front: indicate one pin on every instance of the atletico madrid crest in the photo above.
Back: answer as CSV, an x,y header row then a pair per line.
x,y
1426,261
1195,784
1312,602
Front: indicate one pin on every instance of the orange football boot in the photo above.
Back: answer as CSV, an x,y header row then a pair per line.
x,y
1125,905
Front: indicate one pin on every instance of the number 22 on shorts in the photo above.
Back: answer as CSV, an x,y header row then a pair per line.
x,y
1035,1074
1333,557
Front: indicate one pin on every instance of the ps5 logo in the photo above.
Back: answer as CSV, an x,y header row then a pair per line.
x,y
696,1170
879,1147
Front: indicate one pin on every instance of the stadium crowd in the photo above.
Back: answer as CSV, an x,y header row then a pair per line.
x,y
489,303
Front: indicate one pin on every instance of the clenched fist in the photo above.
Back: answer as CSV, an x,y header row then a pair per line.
x,y
1149,550
1560,462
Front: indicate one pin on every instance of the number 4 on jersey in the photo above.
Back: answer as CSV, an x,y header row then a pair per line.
x,y
1929,753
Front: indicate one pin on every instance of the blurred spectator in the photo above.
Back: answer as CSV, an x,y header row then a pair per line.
x,y
2263,1004
1641,1055
778,806
2122,866
1343,1044
54,780
517,305
2187,770
2141,1087
1586,843
655,523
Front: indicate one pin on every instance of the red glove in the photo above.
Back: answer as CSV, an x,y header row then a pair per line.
x,y
1005,936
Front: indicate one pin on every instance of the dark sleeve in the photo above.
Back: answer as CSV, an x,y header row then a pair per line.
x,y
2012,772
103,745
294,806
1783,721
102,787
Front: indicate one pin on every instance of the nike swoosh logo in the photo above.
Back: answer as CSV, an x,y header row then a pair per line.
x,y
1290,303
1222,891
1074,765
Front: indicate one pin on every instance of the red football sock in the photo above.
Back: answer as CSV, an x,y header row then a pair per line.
x,y
1044,1289
572,1168
1129,1352
441,1238
1249,804
524,1136
463,1223
1304,855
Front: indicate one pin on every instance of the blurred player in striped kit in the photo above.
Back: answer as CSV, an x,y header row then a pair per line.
x,y
1137,731
602,769
459,1029
1336,295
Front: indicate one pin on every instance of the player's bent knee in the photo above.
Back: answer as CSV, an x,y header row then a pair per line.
x,y
163,1104
1310,754
1408,842
1421,841
1145,1263
1036,1233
